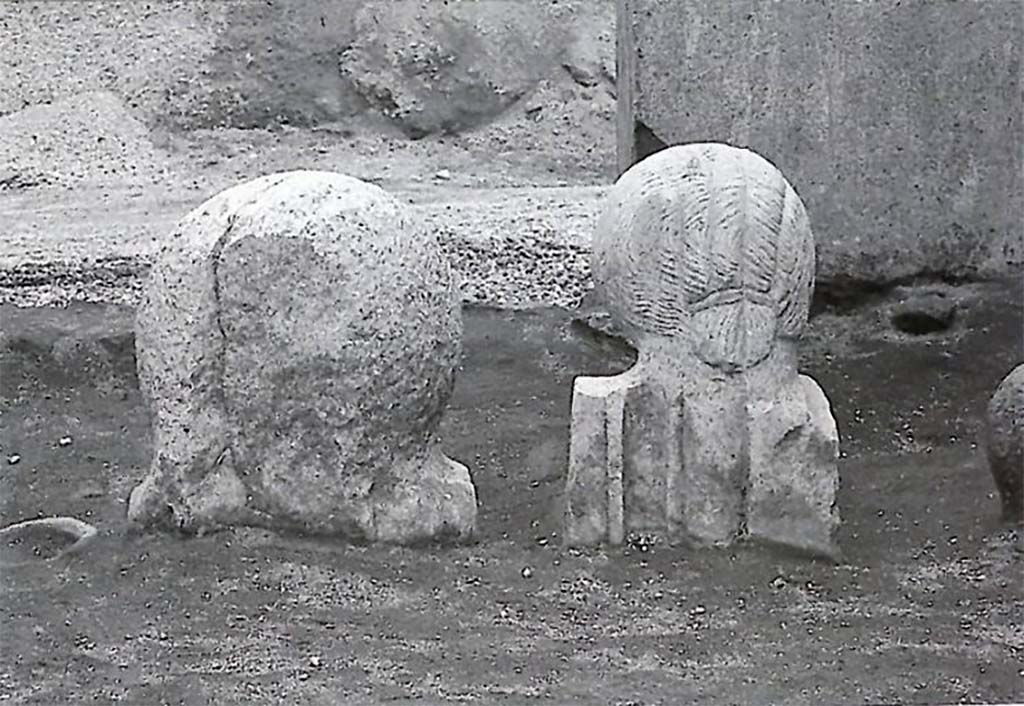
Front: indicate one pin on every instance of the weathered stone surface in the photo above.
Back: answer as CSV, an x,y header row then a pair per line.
x,y
705,259
1006,443
594,492
794,445
898,184
590,53
439,67
296,345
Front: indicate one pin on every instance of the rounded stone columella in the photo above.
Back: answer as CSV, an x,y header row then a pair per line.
x,y
297,344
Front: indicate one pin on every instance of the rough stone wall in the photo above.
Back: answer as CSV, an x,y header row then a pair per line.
x,y
899,124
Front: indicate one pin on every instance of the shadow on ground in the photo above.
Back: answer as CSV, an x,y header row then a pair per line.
x,y
926,608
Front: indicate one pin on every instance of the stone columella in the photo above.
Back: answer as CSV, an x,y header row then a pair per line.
x,y
297,344
704,258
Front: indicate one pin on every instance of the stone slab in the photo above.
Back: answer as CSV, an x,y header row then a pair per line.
x,y
899,124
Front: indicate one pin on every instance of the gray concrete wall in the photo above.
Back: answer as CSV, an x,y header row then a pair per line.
x,y
899,123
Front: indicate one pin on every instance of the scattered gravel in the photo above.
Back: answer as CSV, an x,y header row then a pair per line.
x,y
87,137
510,248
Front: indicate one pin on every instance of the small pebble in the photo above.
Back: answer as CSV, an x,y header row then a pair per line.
x,y
527,572
443,175
64,441
13,459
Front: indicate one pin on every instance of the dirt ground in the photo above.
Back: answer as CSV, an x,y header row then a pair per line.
x,y
926,606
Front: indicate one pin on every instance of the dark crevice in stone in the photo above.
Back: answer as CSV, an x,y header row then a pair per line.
x,y
645,141
220,389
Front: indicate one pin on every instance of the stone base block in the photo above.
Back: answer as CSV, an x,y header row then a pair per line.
x,y
430,498
707,467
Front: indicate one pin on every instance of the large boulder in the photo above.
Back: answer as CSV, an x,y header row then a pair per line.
x,y
427,65
1006,443
443,67
900,185
590,52
297,344
270,63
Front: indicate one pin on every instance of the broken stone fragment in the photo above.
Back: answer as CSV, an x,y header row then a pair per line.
x,y
297,343
704,258
1005,431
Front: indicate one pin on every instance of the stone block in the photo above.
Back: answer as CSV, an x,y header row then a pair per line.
x,y
704,258
841,96
296,344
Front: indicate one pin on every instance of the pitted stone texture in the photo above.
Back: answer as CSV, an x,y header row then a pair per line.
x,y
297,344
705,259
1006,443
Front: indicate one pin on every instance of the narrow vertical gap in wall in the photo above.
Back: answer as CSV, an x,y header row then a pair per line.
x,y
645,141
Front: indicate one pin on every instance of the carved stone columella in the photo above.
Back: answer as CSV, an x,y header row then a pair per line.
x,y
704,258
297,344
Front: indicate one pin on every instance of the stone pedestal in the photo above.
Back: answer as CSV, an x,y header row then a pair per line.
x,y
706,470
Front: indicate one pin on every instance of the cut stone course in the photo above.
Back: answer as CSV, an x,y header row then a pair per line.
x,y
704,259
1005,431
297,343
